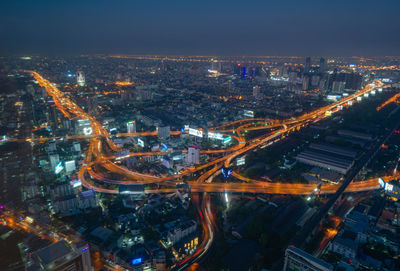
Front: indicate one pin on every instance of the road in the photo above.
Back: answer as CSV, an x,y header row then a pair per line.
x,y
277,130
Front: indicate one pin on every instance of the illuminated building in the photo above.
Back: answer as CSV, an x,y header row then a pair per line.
x,y
83,127
187,246
322,65
244,72
54,160
299,260
256,92
193,155
307,66
392,189
181,231
131,127
338,87
80,78
306,82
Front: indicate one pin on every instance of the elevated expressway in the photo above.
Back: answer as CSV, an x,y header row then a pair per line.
x,y
278,130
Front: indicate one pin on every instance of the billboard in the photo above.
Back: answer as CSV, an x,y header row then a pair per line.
x,y
69,166
248,113
227,139
136,261
240,161
140,142
76,183
217,136
382,183
389,187
195,132
59,167
87,131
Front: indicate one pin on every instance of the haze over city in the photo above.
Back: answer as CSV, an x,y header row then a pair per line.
x,y
209,135
288,27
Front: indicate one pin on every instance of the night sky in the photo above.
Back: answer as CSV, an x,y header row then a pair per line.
x,y
202,27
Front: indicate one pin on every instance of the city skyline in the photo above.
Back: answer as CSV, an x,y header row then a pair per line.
x,y
210,135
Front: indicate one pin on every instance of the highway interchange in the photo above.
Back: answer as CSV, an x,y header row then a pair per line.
x,y
100,143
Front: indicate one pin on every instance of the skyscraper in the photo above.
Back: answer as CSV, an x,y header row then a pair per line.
x,y
80,78
306,82
307,66
193,155
256,92
322,65
163,132
244,72
131,127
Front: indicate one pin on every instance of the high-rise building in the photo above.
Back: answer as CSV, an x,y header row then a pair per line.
x,y
315,80
353,81
307,66
80,78
244,72
54,160
215,66
237,69
292,77
163,132
61,256
338,86
299,260
193,155
322,65
306,82
256,92
131,127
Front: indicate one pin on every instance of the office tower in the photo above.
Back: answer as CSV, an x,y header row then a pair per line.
x,y
315,80
292,77
322,65
193,155
131,127
237,69
54,160
54,116
307,67
163,132
338,86
61,256
80,78
322,84
306,82
353,81
215,65
244,72
256,92
298,260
